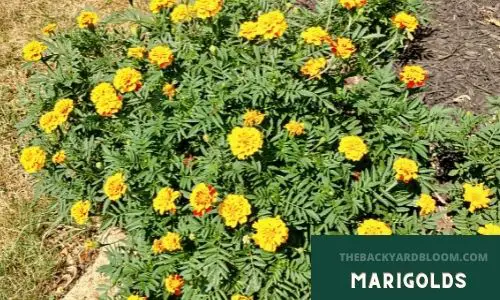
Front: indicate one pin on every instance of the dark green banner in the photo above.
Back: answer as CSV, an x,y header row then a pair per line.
x,y
405,267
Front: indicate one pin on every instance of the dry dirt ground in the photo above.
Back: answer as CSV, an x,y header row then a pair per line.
x,y
461,49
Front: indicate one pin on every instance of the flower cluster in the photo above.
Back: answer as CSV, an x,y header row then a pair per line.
x,y
315,36
313,67
50,120
174,283
170,242
80,212
343,47
162,56
106,100
183,13
270,26
374,227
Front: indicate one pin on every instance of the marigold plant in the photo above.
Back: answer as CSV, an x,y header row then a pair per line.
x,y
221,135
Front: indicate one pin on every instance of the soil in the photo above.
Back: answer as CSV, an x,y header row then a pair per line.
x,y
461,50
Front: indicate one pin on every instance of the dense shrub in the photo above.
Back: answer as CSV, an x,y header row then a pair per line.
x,y
221,136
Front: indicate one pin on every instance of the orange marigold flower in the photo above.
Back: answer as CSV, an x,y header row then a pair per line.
x,y
115,186
414,76
80,212
64,107
169,90
127,80
406,169
313,67
253,117
106,100
174,283
161,56
202,198
49,29
32,159
342,47
295,128
182,13
350,4
50,120
403,20
59,157
87,19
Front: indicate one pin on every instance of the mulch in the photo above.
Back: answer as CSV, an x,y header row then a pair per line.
x,y
461,50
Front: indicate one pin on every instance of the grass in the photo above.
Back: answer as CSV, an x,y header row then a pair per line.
x,y
26,263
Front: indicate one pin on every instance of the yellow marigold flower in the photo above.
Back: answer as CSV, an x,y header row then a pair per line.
x,y
244,142
270,233
353,147
59,157
271,25
87,19
80,212
315,35
403,20
343,47
136,297
241,297
477,195
165,201
32,159
207,8
115,186
295,128
201,199
489,229
127,80
90,245
234,209
182,13
106,101
350,4
49,29
64,107
169,90
249,30
374,227
313,67
162,56
174,283
427,204
136,52
50,120
406,169
171,242
252,118
157,5
33,51
414,76
157,247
